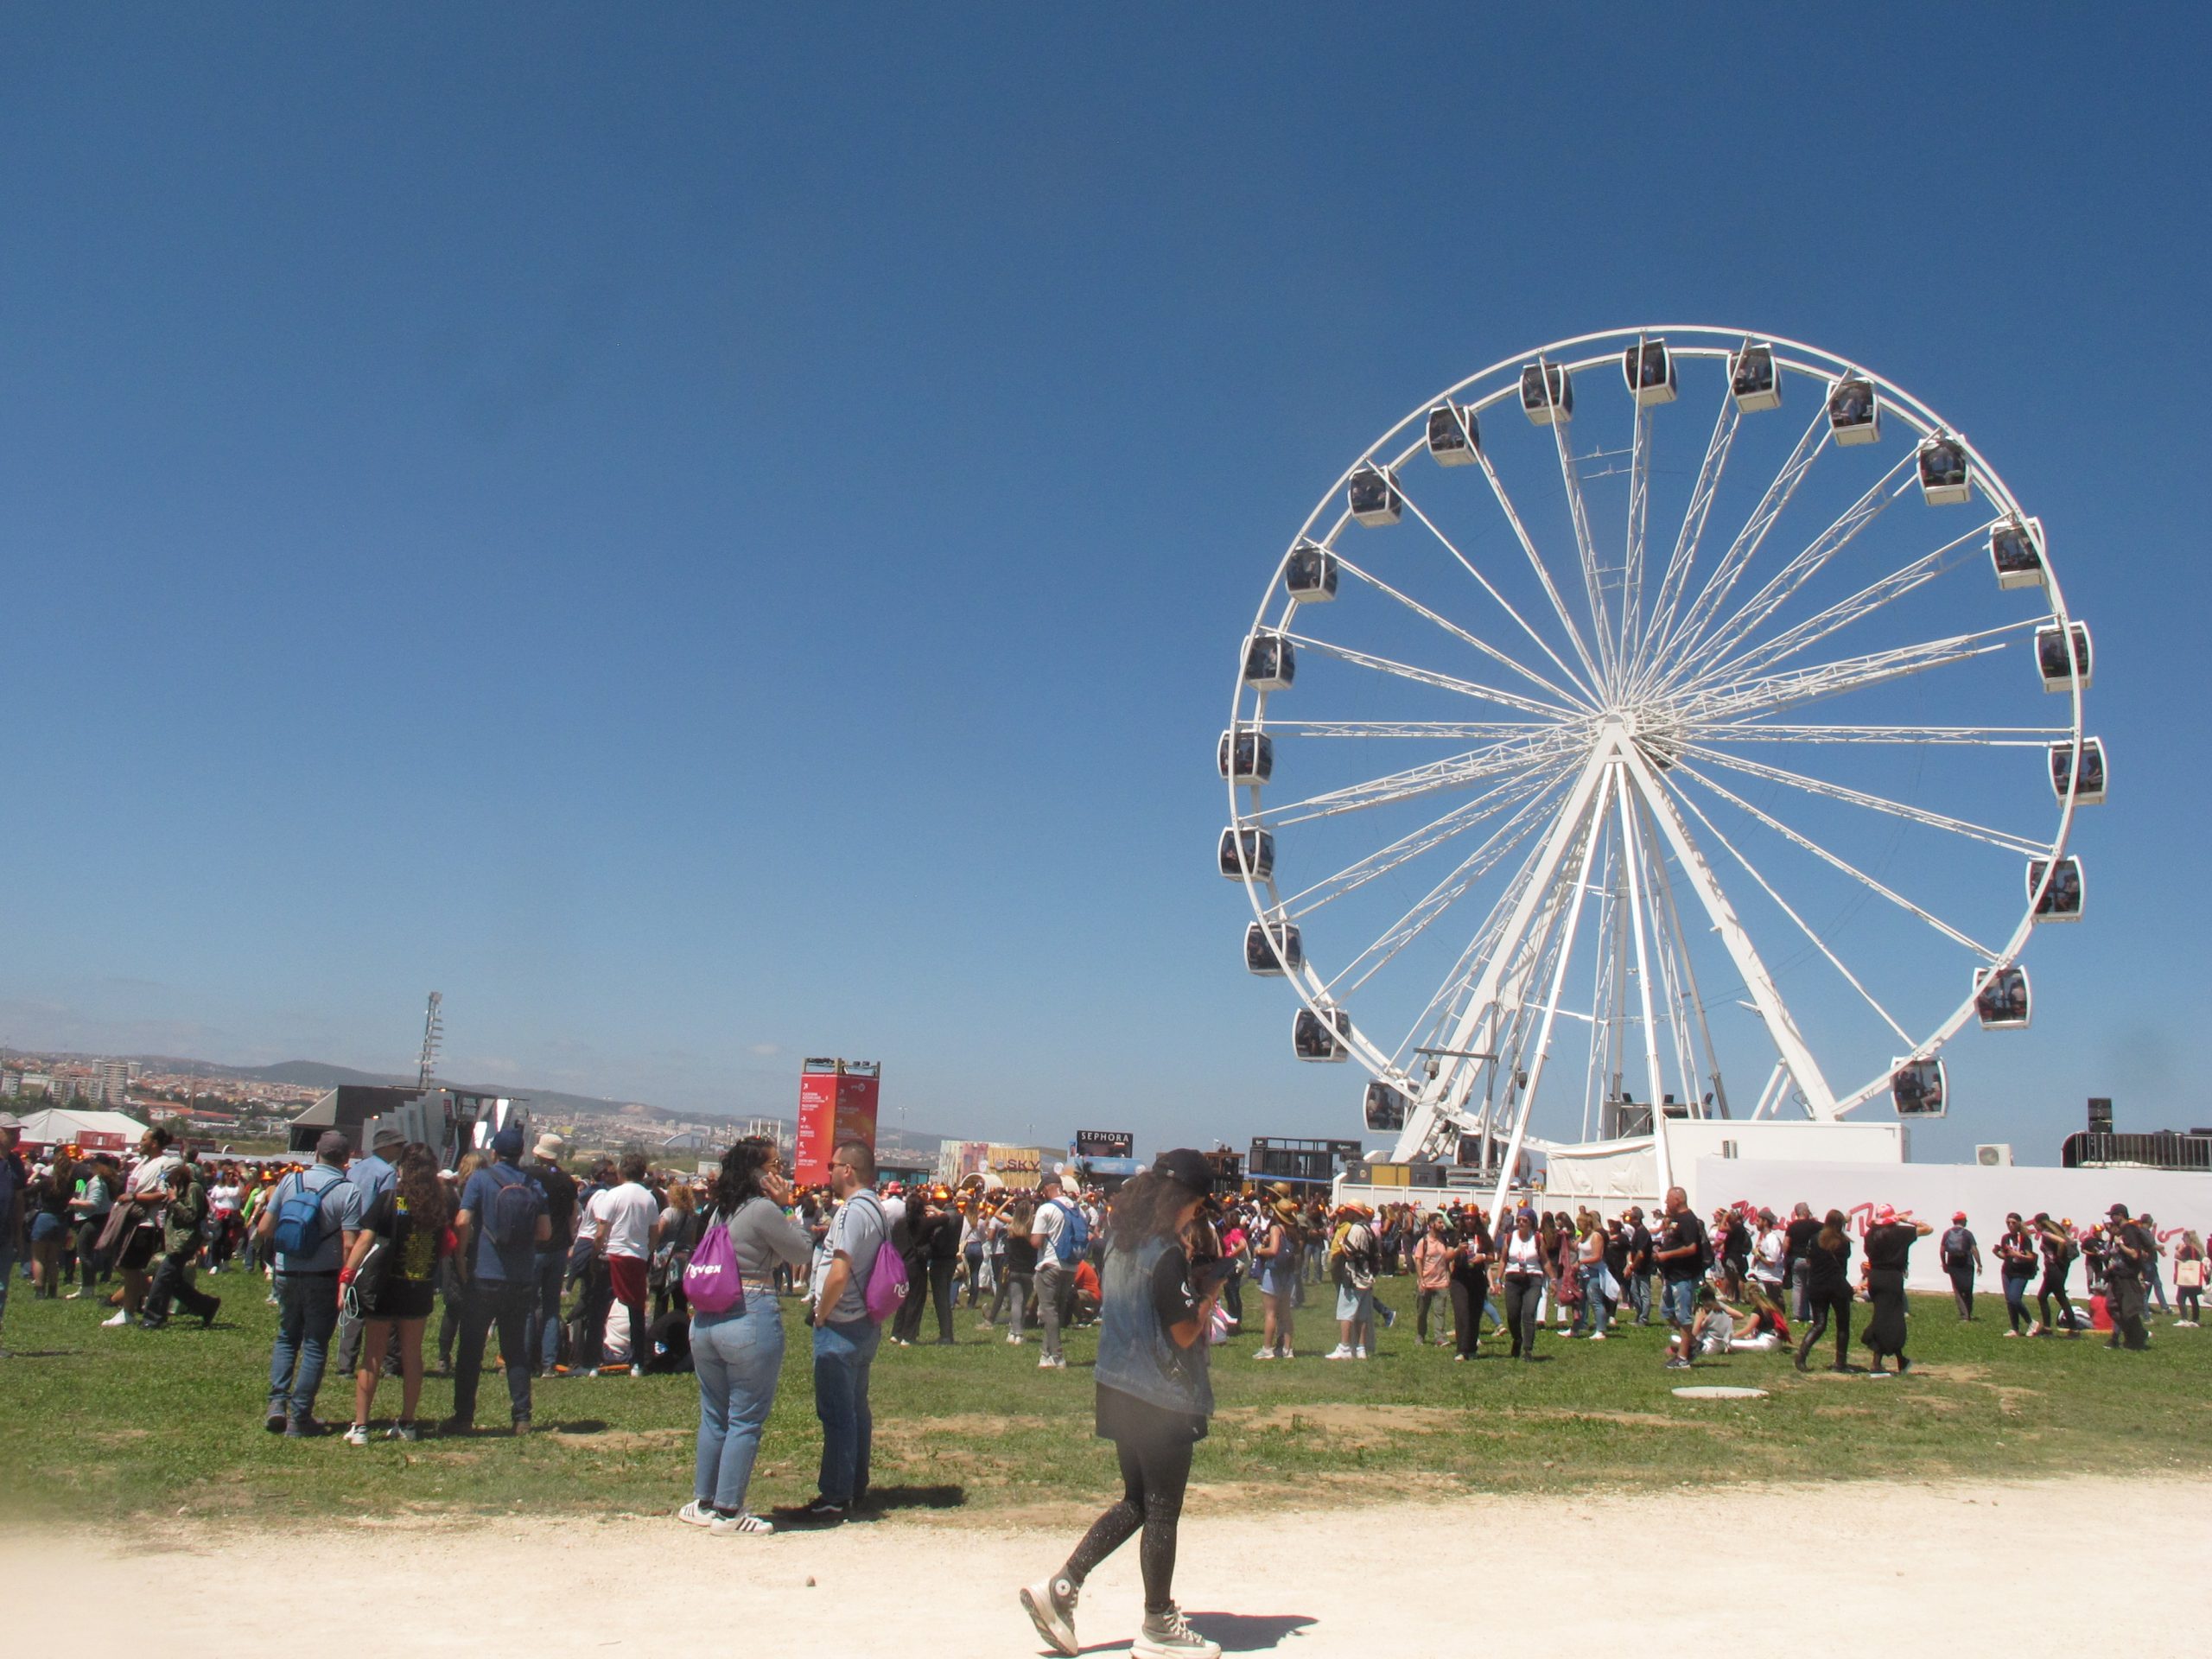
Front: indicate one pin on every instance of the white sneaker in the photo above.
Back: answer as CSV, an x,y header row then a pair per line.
x,y
1283,1352
1338,1352
357,1434
696,1514
1044,1362
122,1318
1016,1341
1167,1637
1050,1603
1264,1353
1597,1336
725,1525
1359,1353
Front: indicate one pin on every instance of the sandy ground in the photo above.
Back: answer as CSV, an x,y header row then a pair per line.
x,y
1899,1570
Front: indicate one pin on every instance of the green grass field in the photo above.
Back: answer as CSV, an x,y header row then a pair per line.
x,y
100,1424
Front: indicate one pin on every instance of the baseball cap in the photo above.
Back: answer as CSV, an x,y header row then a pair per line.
x,y
1959,1216
386,1135
2118,1212
1886,1214
1047,1178
1185,1167
507,1143
333,1143
551,1145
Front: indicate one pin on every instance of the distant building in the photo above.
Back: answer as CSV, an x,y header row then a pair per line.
x,y
685,1140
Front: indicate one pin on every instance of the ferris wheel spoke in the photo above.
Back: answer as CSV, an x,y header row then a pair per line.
x,y
1684,769
1457,771
1639,516
1444,1007
1585,547
1411,728
2024,845
1819,944
1792,688
1996,737
1865,602
1678,563
1544,571
1782,586
1427,676
1361,871
1722,581
1439,898
1581,693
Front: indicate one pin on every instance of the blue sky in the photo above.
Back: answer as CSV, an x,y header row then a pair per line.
x,y
711,537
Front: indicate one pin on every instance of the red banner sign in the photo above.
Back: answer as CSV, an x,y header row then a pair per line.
x,y
837,1102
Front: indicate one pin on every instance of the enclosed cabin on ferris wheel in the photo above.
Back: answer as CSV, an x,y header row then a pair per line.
x,y
1944,480
1753,380
1326,1040
1247,852
1546,394
1310,573
2016,552
1855,411
1455,436
2081,770
2063,667
1919,1087
1386,1108
1270,665
2060,898
1373,496
1247,757
2001,998
1649,368
1274,950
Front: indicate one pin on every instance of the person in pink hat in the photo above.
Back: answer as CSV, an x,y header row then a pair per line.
x,y
1889,1246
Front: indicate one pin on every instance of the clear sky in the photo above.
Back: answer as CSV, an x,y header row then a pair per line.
x,y
711,536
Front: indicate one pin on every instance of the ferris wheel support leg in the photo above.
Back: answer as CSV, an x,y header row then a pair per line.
x,y
1551,1002
1789,1042
1422,1122
1655,1083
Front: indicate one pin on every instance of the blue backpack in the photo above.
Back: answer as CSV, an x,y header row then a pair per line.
x,y
515,1208
300,1229
1077,1245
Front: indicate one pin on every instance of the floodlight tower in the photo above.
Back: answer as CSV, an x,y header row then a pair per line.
x,y
433,1029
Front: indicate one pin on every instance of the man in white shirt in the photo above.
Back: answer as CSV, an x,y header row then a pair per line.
x,y
146,1187
1048,1231
621,1219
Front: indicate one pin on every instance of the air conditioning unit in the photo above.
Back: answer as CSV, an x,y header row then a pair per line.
x,y
1993,1157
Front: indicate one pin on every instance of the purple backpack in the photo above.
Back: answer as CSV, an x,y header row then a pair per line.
x,y
886,1280
711,1283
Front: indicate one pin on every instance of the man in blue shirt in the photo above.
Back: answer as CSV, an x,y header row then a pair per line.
x,y
371,1177
307,1283
502,1223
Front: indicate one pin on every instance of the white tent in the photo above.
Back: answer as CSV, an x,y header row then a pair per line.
x,y
93,1131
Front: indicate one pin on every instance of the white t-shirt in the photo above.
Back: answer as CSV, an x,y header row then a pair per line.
x,y
147,1181
1047,1227
627,1214
1768,1253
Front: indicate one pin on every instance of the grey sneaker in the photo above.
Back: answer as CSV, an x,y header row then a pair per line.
x,y
402,1432
1050,1603
1164,1636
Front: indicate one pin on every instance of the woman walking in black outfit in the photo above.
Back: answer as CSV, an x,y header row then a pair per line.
x,y
1889,1245
2056,1241
1522,1256
1827,1289
1470,1283
1163,1276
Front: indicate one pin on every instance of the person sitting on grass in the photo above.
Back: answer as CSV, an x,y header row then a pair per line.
x,y
1760,1326
1709,1332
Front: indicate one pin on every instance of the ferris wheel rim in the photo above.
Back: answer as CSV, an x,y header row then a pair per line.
x,y
1688,341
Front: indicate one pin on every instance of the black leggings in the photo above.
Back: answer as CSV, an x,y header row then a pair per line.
x,y
2044,1292
1837,1302
1154,1474
1468,1296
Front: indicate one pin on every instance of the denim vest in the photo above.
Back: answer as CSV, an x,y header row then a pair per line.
x,y
1135,1354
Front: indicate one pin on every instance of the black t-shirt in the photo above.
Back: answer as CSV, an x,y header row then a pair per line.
x,y
1474,1238
414,1248
1123,1417
1888,1247
2121,1265
1685,1229
1828,1272
1736,1242
1799,1238
560,1201
1617,1254
1020,1253
1639,1244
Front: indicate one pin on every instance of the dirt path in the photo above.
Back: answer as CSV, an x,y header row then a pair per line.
x,y
1934,1569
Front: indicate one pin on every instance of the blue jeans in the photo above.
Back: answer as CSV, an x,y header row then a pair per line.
x,y
486,1303
1592,1314
544,1342
842,1354
1639,1296
738,1358
307,1313
1678,1302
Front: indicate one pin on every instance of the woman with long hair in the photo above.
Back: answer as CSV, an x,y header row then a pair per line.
x,y
2016,1259
1274,1267
675,1234
1827,1289
1523,1256
1590,1277
1164,1272
1018,1281
2188,1280
1470,1283
738,1353
409,1221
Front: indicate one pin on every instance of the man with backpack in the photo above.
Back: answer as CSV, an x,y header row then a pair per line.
x,y
1961,1258
1062,1237
310,1220
503,1220
855,1252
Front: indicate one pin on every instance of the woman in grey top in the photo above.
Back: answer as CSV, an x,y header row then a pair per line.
x,y
739,1353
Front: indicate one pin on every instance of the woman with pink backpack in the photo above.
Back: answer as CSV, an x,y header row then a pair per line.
x,y
737,1331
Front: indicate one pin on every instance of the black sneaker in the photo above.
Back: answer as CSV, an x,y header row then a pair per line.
x,y
819,1512
274,1421
304,1428
208,1319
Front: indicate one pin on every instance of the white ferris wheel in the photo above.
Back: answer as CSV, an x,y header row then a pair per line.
x,y
1579,769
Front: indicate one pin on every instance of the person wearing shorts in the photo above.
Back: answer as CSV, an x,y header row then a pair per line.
x,y
622,1232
